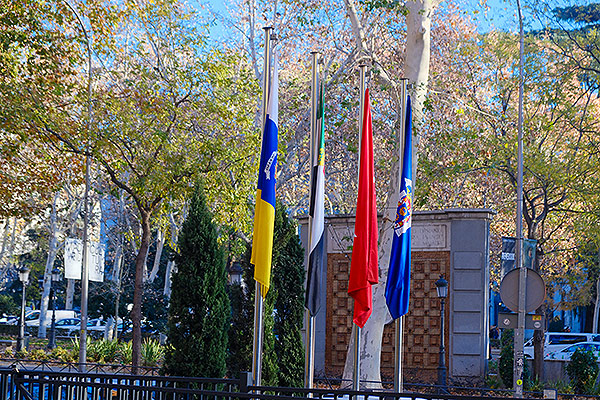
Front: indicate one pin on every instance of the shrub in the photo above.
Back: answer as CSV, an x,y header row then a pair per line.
x,y
125,352
38,354
199,311
64,355
152,352
22,354
506,363
583,371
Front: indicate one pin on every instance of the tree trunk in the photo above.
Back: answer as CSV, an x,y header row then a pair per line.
x,y
5,236
160,242
69,294
9,252
418,55
417,71
597,303
538,348
136,312
52,250
168,274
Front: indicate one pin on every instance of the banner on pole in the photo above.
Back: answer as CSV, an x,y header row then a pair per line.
x,y
74,260
508,256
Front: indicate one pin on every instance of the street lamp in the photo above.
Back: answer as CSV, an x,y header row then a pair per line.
x,y
55,277
24,278
441,286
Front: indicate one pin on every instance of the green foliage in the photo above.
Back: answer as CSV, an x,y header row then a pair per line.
x,y
283,350
8,305
587,14
288,284
22,354
199,310
38,354
62,354
8,353
505,365
125,352
239,351
583,371
152,352
104,351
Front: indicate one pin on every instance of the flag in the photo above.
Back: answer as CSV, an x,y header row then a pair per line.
x,y
264,212
317,213
397,288
363,267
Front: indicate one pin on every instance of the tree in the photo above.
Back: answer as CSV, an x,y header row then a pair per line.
x,y
162,110
283,352
288,287
199,310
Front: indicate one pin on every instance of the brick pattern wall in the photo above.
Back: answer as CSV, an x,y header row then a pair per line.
x,y
421,330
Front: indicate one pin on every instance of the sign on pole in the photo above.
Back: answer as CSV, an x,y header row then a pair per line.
x,y
507,257
74,258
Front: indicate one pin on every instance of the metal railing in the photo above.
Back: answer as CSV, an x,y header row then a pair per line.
x,y
61,366
17,384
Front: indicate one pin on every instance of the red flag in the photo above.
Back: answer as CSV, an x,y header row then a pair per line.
x,y
363,269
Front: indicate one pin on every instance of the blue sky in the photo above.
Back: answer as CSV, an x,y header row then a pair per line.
x,y
488,14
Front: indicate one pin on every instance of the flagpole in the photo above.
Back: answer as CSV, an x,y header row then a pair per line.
x,y
399,323
356,328
258,299
309,367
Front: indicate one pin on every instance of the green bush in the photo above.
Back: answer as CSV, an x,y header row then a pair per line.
x,y
506,363
152,352
61,354
199,311
125,352
38,354
583,371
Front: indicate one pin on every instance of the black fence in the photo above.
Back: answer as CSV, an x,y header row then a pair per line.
x,y
18,384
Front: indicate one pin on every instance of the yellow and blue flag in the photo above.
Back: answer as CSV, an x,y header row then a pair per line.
x,y
397,289
264,212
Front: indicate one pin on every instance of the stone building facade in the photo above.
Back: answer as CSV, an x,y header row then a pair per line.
x,y
453,242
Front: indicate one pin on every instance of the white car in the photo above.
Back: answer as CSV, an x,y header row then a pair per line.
x,y
95,327
566,353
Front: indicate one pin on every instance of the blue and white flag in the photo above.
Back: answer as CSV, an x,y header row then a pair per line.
x,y
397,289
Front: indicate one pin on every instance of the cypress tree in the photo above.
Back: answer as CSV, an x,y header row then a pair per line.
x,y
199,311
283,350
288,287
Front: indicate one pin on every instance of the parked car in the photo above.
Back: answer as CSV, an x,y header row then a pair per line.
x,y
65,326
33,318
556,341
95,327
566,353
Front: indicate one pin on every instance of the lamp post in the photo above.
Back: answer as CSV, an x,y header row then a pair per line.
x,y
55,277
24,278
441,286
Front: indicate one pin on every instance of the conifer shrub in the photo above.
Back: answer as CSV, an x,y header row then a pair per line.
x,y
583,371
199,310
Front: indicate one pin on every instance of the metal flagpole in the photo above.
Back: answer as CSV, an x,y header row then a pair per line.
x,y
357,330
258,299
520,331
309,367
399,323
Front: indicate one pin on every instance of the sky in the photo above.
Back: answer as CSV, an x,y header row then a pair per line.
x,y
488,14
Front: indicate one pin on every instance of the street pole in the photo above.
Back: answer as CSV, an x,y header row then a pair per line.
x,y
441,371
21,338
518,359
52,340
